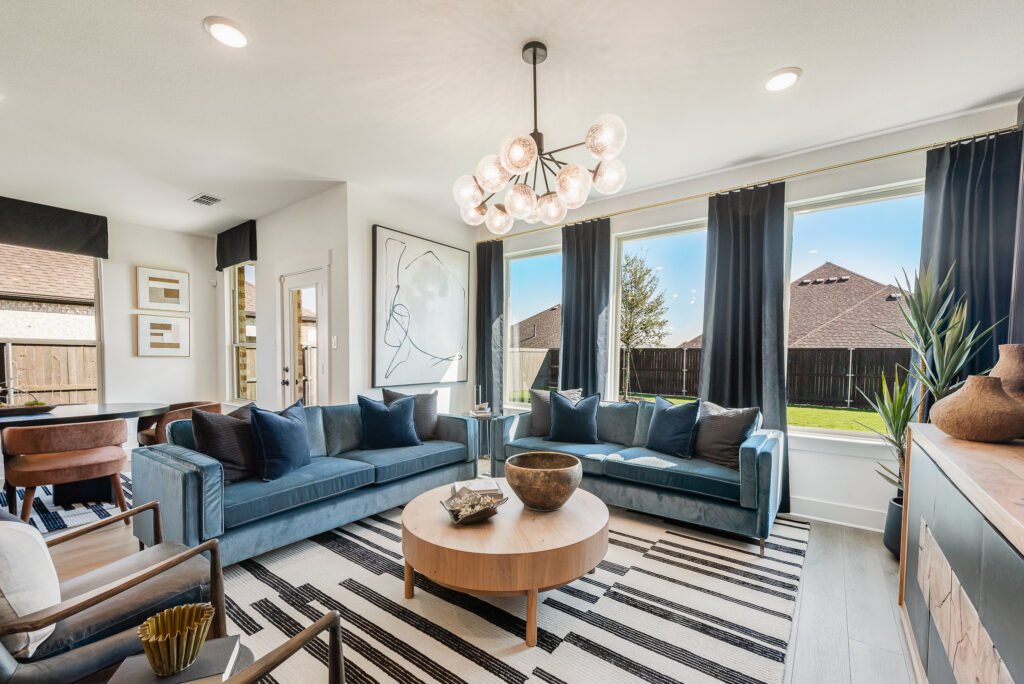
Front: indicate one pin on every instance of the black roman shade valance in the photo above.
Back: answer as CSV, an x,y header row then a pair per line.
x,y
236,245
39,226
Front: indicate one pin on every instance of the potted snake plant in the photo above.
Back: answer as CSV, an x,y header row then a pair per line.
x,y
896,409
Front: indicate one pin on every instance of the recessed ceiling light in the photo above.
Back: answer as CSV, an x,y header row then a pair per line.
x,y
780,79
225,31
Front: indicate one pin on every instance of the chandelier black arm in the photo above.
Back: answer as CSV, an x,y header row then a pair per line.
x,y
544,164
550,158
563,149
536,163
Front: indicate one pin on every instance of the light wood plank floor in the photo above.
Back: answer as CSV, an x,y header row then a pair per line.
x,y
846,628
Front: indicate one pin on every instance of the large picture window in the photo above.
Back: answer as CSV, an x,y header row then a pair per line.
x,y
243,330
846,258
534,324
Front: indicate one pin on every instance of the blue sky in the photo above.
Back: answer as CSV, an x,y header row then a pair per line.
x,y
876,239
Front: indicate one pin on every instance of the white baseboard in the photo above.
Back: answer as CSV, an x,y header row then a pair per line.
x,y
837,513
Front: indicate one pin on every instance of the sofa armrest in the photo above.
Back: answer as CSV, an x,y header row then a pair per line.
x,y
460,429
505,429
190,488
761,475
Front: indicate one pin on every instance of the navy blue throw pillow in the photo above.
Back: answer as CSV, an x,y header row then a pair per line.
x,y
574,423
673,428
386,426
280,440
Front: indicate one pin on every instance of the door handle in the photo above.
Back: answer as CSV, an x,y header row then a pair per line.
x,y
284,383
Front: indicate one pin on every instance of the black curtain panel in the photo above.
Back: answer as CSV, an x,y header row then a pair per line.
x,y
28,224
490,321
236,245
743,357
970,223
586,285
1016,334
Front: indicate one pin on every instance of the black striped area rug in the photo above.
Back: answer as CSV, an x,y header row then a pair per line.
x,y
47,517
668,604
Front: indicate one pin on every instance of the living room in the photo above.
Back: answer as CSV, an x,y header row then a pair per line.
x,y
712,370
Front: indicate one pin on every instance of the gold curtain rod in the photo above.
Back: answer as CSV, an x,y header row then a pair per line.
x,y
798,174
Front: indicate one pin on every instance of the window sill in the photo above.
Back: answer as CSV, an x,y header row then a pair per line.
x,y
839,443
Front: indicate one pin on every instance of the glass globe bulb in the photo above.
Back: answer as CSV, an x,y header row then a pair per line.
x,y
474,216
572,185
533,218
498,220
550,209
467,192
609,176
491,175
518,154
606,136
520,201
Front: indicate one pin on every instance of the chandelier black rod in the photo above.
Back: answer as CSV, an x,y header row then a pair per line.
x,y
534,60
562,149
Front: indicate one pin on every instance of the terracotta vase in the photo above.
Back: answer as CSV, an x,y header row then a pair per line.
x,y
980,411
1010,369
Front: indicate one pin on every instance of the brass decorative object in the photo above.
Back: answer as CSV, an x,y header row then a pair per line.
x,y
543,480
172,639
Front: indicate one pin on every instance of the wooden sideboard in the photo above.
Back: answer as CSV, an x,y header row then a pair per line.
x,y
961,587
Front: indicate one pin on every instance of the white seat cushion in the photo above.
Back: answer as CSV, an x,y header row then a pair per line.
x,y
28,582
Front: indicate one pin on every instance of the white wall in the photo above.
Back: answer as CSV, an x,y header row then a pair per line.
x,y
130,378
831,477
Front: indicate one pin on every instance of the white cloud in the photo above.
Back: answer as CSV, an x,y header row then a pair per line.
x,y
658,268
675,295
812,251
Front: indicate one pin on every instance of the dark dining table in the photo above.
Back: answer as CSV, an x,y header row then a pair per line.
x,y
88,490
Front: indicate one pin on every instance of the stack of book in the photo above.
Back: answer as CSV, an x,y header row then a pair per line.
x,y
215,664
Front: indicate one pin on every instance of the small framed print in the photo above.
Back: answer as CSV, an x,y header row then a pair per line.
x,y
162,335
162,290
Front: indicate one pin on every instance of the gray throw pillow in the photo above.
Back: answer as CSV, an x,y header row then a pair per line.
x,y
540,409
721,431
616,422
227,438
424,412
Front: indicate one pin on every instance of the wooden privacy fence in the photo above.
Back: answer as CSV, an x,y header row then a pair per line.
x,y
667,371
831,377
55,373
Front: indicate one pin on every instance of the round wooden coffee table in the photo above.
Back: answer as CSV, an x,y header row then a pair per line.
x,y
518,552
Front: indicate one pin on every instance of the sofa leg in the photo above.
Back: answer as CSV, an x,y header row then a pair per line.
x,y
762,547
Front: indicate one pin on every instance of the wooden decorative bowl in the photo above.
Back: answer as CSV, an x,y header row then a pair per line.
x,y
172,639
543,480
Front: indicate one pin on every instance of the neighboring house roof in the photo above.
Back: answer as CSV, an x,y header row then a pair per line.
x,y
835,308
540,331
28,273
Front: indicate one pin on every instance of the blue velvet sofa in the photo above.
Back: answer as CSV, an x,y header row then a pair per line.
x,y
343,483
622,472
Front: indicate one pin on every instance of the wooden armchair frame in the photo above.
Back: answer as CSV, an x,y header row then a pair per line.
x,y
330,621
65,609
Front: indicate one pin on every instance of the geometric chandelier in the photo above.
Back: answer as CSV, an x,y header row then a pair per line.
x,y
524,164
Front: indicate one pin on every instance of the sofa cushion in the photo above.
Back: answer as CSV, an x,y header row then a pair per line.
x,y
343,428
398,462
616,422
387,426
424,411
28,581
673,428
590,455
280,439
644,413
229,440
540,409
323,478
574,422
721,431
693,475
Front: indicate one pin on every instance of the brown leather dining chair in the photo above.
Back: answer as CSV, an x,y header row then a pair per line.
x,y
153,429
59,454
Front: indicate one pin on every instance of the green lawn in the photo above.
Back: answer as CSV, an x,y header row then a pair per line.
x,y
826,418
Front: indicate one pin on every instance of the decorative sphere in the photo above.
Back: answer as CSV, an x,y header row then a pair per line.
x,y
518,154
606,136
609,176
550,209
467,191
498,220
474,216
491,175
520,201
573,185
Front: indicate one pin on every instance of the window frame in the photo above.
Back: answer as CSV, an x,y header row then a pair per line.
x,y
824,203
620,239
234,346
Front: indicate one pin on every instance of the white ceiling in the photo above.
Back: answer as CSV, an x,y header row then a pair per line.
x,y
128,108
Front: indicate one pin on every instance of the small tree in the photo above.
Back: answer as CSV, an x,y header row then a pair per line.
x,y
642,319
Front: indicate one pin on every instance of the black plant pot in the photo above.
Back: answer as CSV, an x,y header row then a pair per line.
x,y
893,526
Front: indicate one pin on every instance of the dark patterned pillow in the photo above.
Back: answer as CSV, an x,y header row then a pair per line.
x,y
540,409
721,431
424,411
227,438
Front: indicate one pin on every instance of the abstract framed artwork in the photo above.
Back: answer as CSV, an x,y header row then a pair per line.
x,y
162,335
420,310
161,289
